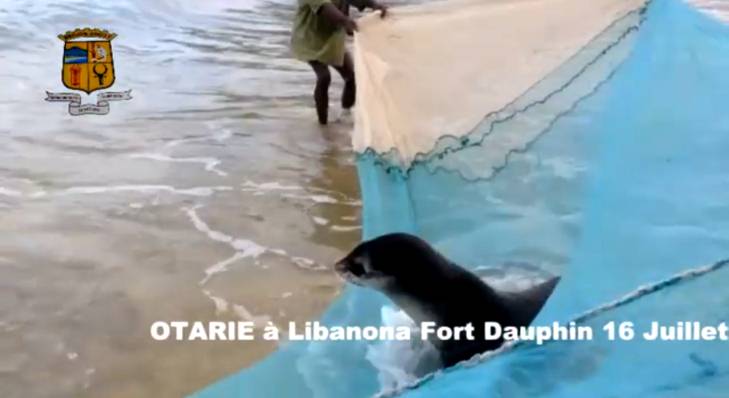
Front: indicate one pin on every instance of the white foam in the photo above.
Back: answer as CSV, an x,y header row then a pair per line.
x,y
320,220
343,228
309,264
321,196
716,8
400,363
220,137
219,267
221,305
211,164
280,252
195,191
321,199
38,194
244,248
268,186
248,248
102,189
259,321
10,192
510,278
88,373
8,327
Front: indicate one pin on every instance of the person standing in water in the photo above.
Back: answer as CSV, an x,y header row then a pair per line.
x,y
318,38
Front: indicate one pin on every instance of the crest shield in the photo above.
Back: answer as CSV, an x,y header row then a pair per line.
x,y
88,63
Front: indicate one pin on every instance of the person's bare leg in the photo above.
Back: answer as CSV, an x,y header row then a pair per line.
x,y
321,91
350,88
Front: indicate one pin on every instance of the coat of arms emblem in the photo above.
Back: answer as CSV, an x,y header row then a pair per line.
x,y
88,66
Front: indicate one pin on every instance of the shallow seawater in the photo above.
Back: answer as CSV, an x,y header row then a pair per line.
x,y
211,195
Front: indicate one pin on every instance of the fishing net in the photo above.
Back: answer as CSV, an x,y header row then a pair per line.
x,y
599,153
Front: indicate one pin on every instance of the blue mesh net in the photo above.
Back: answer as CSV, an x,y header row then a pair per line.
x,y
621,183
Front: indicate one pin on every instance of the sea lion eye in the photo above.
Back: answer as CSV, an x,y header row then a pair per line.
x,y
357,267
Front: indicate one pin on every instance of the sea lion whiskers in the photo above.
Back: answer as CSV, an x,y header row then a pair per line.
x,y
357,269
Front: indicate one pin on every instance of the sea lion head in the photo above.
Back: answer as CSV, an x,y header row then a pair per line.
x,y
389,261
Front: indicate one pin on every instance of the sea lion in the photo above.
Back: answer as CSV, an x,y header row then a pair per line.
x,y
430,288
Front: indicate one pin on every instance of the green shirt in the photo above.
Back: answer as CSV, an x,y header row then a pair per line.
x,y
316,39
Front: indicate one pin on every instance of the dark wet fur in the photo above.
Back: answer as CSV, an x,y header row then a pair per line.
x,y
450,295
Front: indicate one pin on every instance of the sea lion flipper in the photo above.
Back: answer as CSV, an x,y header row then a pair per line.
x,y
525,305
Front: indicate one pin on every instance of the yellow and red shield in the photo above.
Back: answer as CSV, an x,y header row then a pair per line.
x,y
88,63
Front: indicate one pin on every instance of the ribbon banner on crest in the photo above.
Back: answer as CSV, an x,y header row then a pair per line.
x,y
76,108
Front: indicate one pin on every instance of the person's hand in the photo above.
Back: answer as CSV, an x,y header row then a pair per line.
x,y
350,26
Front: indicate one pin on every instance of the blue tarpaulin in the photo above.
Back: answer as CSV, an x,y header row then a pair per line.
x,y
624,191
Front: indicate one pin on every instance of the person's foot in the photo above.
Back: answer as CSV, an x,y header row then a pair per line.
x,y
323,119
345,116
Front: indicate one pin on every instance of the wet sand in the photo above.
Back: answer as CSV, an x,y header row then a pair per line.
x,y
211,195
